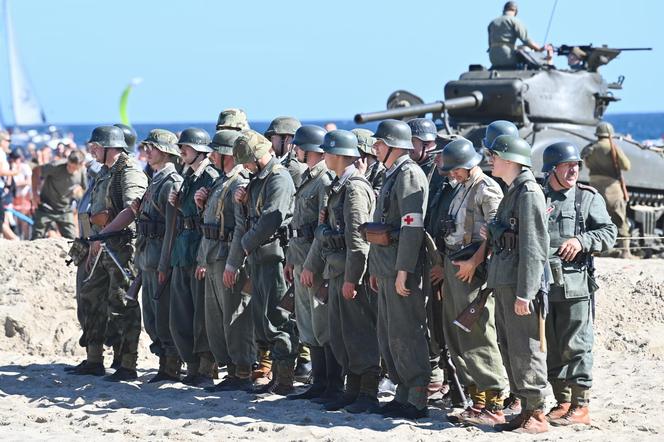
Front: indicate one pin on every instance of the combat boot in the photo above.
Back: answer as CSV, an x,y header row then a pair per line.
x,y
229,377
558,411
117,355
334,388
262,375
122,374
170,371
284,377
465,415
71,368
512,406
200,374
348,397
304,365
488,416
319,374
407,411
367,399
95,362
529,421
577,414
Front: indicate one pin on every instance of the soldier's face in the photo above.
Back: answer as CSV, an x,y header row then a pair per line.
x,y
251,167
188,154
299,153
499,167
215,157
155,157
281,144
567,173
381,150
460,175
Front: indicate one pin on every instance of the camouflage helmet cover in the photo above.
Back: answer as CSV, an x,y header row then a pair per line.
x,y
232,119
365,141
223,141
163,140
283,126
250,146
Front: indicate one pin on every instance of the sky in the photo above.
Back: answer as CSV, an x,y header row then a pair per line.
x,y
310,59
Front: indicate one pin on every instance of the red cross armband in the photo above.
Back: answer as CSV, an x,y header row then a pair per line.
x,y
412,220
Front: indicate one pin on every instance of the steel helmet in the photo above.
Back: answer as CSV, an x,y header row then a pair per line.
x,y
395,133
557,153
129,135
309,138
513,149
460,154
223,141
109,137
497,128
283,126
604,130
341,142
365,141
250,146
163,140
423,128
197,138
235,119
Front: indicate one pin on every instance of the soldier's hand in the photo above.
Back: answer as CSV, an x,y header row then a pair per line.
x,y
288,273
135,206
200,197
361,165
230,276
373,283
569,249
94,248
173,198
521,307
200,273
161,278
437,274
307,278
240,195
349,291
400,283
484,232
322,215
466,270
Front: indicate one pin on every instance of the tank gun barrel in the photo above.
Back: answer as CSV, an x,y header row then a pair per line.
x,y
473,100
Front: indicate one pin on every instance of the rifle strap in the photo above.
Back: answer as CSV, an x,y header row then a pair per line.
x,y
219,213
387,189
469,221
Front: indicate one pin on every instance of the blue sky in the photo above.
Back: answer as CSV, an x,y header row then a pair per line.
x,y
310,59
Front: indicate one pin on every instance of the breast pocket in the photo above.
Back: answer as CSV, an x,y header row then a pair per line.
x,y
566,224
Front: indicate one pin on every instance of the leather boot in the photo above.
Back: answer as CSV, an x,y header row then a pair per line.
x,y
95,362
169,370
303,367
319,374
117,355
558,411
283,381
576,414
529,422
367,399
512,406
334,388
348,397
262,375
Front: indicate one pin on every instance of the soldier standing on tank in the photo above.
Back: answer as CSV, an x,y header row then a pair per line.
x,y
606,161
187,320
310,312
102,293
228,320
504,31
232,119
395,263
579,225
519,241
475,353
268,200
368,164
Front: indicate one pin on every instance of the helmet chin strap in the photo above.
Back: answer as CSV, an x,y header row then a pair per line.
x,y
555,175
194,160
387,155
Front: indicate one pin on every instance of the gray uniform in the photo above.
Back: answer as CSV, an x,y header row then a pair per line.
x,y
579,212
310,199
517,272
402,327
294,167
504,31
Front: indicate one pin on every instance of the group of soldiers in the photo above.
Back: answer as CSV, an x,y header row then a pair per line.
x,y
380,241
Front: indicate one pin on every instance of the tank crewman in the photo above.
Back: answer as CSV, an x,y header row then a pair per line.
x,y
579,225
475,353
310,199
232,119
605,173
396,271
102,293
269,203
504,31
424,142
373,170
519,240
340,254
187,321
228,319
54,185
280,133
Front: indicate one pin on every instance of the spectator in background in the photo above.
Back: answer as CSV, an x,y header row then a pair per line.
x,y
22,191
6,185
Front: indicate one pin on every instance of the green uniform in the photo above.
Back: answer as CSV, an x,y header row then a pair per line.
x,y
270,208
228,320
102,295
294,167
375,174
579,212
155,227
56,196
516,271
187,321
504,31
310,199
402,327
475,353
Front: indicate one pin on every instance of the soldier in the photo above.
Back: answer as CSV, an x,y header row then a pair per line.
x,y
280,133
340,254
396,271
54,185
102,293
504,31
475,352
269,206
187,322
232,119
373,170
228,320
605,162
497,128
579,225
310,312
519,240
424,142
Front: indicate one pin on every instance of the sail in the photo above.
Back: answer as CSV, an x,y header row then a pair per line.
x,y
26,108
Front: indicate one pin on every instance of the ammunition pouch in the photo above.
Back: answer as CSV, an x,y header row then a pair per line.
x,y
78,252
323,293
333,240
101,219
188,223
502,238
465,253
212,231
448,226
379,233
151,229
272,250
306,231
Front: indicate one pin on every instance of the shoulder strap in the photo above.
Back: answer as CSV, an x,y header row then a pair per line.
x,y
387,189
219,214
579,225
469,221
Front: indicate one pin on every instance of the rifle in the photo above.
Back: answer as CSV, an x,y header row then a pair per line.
x,y
456,389
614,159
108,235
542,304
469,316
132,292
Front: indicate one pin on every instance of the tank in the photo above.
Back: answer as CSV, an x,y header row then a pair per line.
x,y
548,105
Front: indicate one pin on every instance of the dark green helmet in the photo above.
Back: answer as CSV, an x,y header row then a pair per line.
x,y
460,154
497,128
309,138
557,153
423,128
129,134
250,146
163,140
395,133
513,149
604,130
223,141
197,138
109,137
283,126
365,141
234,119
341,142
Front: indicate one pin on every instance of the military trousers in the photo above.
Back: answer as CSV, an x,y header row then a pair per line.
x,y
156,314
272,324
518,339
187,319
569,336
435,333
64,222
101,298
353,336
475,354
228,319
311,315
402,338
